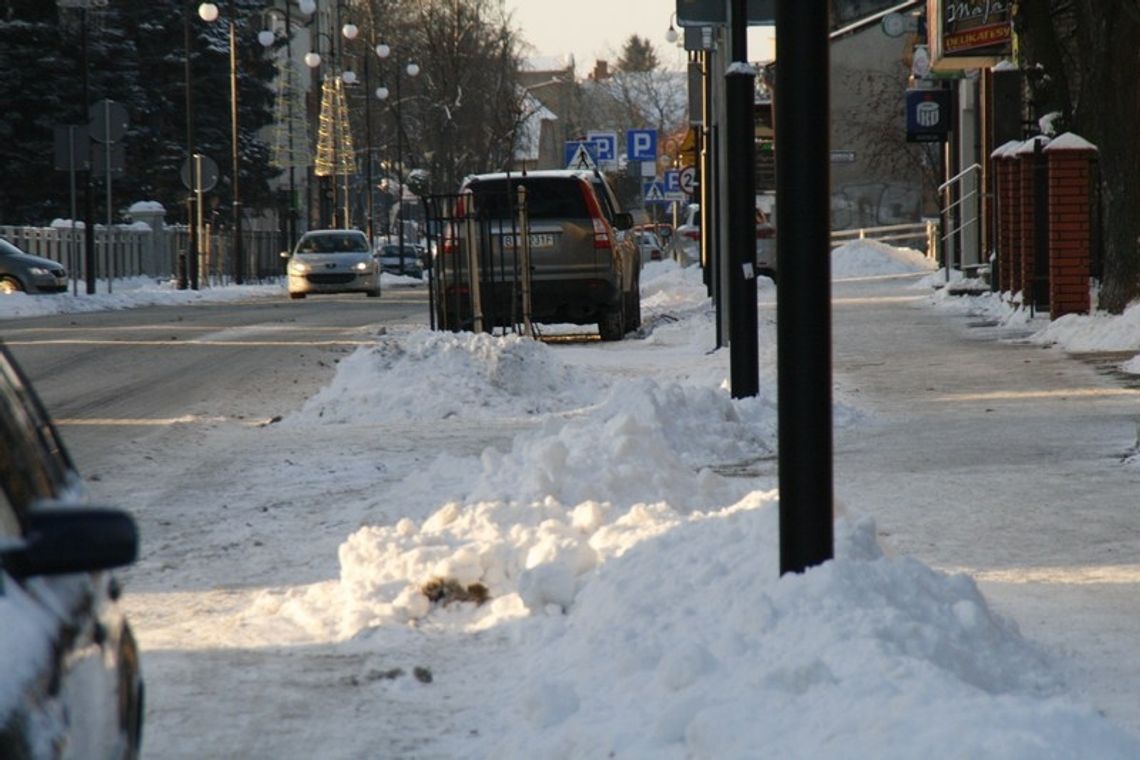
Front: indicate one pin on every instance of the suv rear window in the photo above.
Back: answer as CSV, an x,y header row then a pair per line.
x,y
547,198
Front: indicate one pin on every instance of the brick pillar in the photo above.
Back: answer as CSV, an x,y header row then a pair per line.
x,y
1070,230
1006,220
1023,245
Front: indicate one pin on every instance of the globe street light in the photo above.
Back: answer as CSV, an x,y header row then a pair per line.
x,y
209,13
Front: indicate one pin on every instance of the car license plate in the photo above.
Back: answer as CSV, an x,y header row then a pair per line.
x,y
537,240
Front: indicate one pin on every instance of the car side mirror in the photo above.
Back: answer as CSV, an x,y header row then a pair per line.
x,y
61,540
623,220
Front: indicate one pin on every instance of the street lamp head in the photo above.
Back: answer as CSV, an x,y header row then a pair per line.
x,y
382,92
348,77
312,60
383,50
208,12
671,35
349,31
413,69
266,37
307,6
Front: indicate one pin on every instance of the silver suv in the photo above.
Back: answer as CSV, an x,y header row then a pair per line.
x,y
583,268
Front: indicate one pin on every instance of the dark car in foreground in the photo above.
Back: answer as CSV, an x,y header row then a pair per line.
x,y
24,273
71,684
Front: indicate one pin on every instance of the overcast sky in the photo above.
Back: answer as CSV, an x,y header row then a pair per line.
x,y
593,29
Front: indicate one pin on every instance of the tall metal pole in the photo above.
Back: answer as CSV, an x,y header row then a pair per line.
x,y
804,302
239,256
368,136
291,221
399,169
88,191
740,145
188,272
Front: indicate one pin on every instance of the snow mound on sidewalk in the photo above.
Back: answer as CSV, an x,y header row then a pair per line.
x,y
870,258
1093,332
428,375
713,655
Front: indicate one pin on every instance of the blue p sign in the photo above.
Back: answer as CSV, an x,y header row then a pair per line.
x,y
641,144
605,145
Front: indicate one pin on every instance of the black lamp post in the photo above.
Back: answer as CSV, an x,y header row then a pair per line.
x,y
412,70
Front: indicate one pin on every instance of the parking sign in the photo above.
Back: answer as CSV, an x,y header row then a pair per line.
x,y
641,144
605,146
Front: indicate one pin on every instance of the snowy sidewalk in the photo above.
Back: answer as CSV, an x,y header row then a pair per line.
x,y
1003,460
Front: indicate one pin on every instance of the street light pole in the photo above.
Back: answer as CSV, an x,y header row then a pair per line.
x,y
412,70
209,14
188,272
239,256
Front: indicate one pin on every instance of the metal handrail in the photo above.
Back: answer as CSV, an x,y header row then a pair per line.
x,y
957,177
945,211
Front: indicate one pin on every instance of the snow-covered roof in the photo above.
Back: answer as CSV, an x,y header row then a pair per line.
x,y
548,63
1069,141
529,136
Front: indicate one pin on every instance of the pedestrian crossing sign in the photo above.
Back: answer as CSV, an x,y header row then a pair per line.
x,y
654,193
581,158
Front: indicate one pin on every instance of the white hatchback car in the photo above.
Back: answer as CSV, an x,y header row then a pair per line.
x,y
333,261
686,247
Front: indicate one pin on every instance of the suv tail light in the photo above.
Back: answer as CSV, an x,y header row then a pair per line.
x,y
765,232
692,234
602,239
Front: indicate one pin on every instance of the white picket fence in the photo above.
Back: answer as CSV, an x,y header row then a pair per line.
x,y
139,251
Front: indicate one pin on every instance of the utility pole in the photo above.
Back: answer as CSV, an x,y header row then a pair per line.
x,y
740,147
803,305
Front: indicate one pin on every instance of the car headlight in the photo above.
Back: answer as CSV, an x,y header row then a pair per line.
x,y
39,271
363,266
298,267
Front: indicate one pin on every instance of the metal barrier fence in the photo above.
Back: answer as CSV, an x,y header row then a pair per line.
x,y
261,249
924,233
468,246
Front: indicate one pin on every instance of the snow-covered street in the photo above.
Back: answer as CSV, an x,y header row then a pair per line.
x,y
476,547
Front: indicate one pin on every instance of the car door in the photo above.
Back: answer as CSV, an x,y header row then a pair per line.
x,y
72,687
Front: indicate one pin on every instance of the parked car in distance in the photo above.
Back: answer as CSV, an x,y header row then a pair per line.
x,y
582,270
332,261
24,273
409,264
686,245
72,683
686,248
648,244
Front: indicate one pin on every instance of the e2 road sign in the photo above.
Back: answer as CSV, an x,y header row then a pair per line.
x,y
641,144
